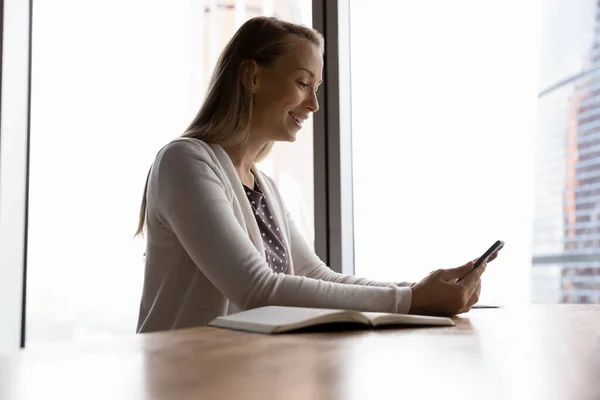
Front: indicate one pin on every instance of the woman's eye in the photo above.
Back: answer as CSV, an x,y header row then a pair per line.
x,y
303,85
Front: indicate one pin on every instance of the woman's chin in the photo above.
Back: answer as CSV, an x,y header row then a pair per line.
x,y
289,136
292,137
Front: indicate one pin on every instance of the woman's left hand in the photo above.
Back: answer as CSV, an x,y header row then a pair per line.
x,y
475,296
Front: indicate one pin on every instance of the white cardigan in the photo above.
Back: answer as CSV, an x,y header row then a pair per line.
x,y
205,256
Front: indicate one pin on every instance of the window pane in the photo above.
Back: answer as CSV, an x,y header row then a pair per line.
x,y
113,82
566,235
443,120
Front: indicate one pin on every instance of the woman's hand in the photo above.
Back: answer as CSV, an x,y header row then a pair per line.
x,y
442,293
475,296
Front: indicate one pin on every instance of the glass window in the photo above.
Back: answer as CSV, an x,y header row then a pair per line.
x,y
443,126
112,82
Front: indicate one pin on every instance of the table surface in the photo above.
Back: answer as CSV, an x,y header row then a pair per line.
x,y
536,352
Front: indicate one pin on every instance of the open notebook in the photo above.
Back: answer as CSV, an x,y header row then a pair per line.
x,y
278,319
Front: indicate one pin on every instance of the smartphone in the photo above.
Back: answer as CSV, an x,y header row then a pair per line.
x,y
489,252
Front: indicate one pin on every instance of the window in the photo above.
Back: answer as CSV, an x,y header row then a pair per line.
x,y
443,124
112,82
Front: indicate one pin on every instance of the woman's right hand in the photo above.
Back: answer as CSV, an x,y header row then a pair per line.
x,y
441,294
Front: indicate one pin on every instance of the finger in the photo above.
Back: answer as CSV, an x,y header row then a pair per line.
x,y
472,278
455,273
472,295
475,296
462,311
472,300
490,258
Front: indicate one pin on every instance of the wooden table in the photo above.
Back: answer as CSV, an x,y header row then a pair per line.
x,y
539,352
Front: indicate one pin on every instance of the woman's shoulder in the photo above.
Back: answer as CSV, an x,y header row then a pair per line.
x,y
188,157
186,152
186,146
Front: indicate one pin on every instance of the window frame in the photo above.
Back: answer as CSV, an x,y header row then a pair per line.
x,y
15,77
334,208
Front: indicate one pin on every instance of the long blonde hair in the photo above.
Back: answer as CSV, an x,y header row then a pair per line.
x,y
224,117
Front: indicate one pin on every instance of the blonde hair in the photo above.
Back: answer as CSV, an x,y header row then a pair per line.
x,y
224,117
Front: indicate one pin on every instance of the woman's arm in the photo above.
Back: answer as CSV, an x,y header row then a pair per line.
x,y
191,200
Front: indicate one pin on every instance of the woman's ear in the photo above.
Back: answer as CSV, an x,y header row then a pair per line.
x,y
248,75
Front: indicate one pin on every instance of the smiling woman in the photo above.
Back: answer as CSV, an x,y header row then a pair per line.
x,y
219,236
263,89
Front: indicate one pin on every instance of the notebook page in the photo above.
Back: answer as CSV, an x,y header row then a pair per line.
x,y
278,316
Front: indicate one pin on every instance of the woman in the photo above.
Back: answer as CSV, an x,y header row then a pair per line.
x,y
219,238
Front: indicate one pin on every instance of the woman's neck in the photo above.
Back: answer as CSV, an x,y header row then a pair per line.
x,y
243,158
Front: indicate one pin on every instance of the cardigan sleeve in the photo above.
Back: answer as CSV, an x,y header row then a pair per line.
x,y
192,201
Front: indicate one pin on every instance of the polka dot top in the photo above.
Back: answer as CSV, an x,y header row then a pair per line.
x,y
275,252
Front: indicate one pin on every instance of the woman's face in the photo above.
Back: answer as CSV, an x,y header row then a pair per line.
x,y
285,93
